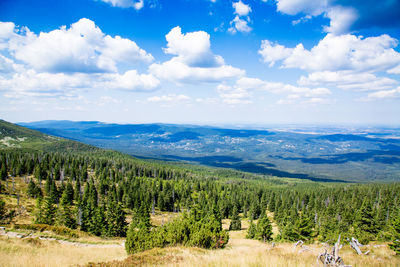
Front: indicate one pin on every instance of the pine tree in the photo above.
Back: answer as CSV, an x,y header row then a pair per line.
x,y
264,229
68,194
364,224
33,190
304,227
115,217
395,229
3,172
66,216
251,232
235,224
39,211
49,211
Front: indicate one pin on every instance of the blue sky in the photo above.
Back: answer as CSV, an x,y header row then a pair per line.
x,y
201,61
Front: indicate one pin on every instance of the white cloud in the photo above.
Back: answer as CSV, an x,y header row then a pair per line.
x,y
192,48
348,80
293,7
81,48
272,52
335,53
233,95
278,87
172,98
126,3
241,9
395,70
193,60
341,18
386,94
244,87
63,61
130,80
239,25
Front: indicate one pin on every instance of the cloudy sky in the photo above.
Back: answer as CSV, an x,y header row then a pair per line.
x,y
201,61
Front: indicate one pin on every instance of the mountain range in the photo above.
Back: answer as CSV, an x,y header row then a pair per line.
x,y
315,153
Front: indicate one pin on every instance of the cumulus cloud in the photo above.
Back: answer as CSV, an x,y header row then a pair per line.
x,y
64,61
335,53
241,21
233,95
386,94
346,61
346,15
193,60
244,87
241,9
348,80
126,3
192,48
239,25
81,48
172,98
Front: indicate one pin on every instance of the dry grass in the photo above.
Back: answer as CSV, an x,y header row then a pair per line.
x,y
245,252
160,218
35,252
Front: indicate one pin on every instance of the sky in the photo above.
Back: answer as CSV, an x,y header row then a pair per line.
x,y
214,62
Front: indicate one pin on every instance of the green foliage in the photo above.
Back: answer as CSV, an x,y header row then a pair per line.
x,y
33,190
262,231
365,227
189,230
45,211
395,230
235,224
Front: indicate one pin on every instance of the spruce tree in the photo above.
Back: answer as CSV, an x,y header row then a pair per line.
x,y
235,224
49,211
67,216
365,227
3,172
304,227
395,230
264,229
251,232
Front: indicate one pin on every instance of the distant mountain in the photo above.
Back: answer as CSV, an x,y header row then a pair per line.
x,y
14,136
353,155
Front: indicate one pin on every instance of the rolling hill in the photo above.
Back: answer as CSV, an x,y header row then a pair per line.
x,y
318,153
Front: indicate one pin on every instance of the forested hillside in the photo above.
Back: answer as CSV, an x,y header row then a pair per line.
x,y
98,191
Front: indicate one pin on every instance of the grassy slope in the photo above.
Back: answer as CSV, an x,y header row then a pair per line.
x,y
244,252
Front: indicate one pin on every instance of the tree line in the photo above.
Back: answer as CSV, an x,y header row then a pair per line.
x,y
94,191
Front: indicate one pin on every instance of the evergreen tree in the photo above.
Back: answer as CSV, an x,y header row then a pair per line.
x,y
304,227
48,211
264,229
3,172
115,217
66,216
251,232
395,229
39,211
68,194
365,227
235,224
33,190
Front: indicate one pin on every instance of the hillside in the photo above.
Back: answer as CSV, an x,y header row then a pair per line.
x,y
315,153
13,136
56,194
